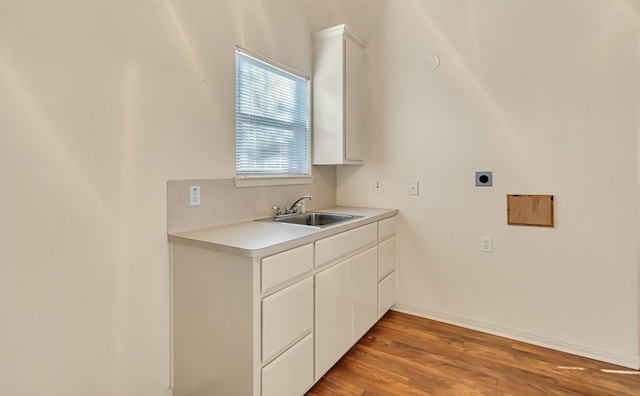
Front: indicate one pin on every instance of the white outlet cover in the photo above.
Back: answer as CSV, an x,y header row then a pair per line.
x,y
413,188
486,244
194,195
377,186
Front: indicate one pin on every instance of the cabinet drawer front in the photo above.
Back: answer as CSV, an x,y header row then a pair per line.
x,y
386,227
286,317
291,373
386,258
283,266
336,246
386,294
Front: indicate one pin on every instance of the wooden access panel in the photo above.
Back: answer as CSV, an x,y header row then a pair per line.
x,y
531,210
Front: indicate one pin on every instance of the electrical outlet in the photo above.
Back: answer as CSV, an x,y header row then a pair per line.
x,y
486,244
413,188
194,195
377,186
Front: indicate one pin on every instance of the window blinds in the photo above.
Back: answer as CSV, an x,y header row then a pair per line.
x,y
272,119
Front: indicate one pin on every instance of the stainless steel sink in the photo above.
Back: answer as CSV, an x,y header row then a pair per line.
x,y
314,219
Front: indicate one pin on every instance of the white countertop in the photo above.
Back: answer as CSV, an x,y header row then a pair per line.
x,y
259,239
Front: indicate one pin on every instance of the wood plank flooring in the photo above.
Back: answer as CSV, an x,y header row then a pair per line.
x,y
408,355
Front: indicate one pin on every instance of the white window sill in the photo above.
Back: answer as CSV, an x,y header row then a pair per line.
x,y
272,180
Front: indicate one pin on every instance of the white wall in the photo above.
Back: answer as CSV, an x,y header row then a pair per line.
x,y
100,104
546,94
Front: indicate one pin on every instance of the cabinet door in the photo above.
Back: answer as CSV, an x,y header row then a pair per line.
x,y
354,93
333,315
364,270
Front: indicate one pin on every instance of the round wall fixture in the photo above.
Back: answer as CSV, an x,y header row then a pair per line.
x,y
432,62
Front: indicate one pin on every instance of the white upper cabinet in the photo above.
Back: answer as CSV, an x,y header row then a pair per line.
x,y
338,92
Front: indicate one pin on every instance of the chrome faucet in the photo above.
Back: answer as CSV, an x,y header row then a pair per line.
x,y
295,207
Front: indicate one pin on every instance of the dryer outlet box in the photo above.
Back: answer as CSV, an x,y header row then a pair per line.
x,y
484,179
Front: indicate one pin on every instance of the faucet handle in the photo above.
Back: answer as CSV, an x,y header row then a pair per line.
x,y
276,211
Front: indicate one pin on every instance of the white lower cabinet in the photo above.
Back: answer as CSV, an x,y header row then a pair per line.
x,y
287,324
346,304
273,326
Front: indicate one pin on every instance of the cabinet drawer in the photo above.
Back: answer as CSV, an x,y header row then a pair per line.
x,y
291,373
283,266
287,315
386,257
386,227
336,246
386,294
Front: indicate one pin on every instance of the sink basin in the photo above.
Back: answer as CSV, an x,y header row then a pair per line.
x,y
314,219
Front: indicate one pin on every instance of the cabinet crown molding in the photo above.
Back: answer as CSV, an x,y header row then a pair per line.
x,y
340,30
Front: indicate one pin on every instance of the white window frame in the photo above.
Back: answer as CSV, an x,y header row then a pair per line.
x,y
273,178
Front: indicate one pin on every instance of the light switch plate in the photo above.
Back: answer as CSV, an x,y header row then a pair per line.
x,y
413,188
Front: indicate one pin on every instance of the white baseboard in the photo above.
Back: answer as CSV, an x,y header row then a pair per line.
x,y
629,361
168,392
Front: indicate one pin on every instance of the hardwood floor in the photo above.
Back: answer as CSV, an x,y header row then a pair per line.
x,y
408,355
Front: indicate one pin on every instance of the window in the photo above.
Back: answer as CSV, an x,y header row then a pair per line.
x,y
272,119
